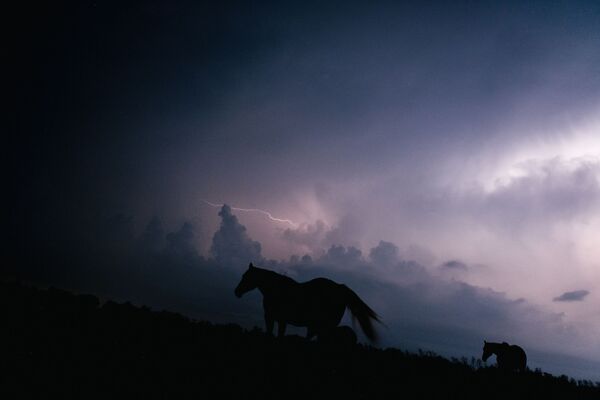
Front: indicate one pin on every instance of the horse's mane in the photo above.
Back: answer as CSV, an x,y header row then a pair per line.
x,y
502,347
272,275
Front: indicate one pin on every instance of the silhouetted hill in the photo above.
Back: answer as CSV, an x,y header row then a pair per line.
x,y
57,343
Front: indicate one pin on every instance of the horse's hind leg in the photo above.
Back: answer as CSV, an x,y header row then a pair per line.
x,y
281,329
269,324
523,366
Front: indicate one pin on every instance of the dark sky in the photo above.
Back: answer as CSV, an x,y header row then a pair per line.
x,y
463,136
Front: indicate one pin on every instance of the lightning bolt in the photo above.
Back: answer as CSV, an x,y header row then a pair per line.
x,y
268,214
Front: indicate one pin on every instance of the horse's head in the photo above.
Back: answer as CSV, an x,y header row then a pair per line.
x,y
248,282
487,351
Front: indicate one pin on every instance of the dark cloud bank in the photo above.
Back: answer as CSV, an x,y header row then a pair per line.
x,y
576,295
165,270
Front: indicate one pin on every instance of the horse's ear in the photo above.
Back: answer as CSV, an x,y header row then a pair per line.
x,y
484,342
250,266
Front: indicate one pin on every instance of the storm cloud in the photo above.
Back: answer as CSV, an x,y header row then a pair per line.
x,y
576,295
454,264
231,245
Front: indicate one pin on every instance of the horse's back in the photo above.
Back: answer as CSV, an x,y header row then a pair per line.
x,y
519,355
321,282
323,289
517,351
318,302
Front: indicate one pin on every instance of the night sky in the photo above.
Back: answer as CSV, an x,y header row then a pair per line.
x,y
443,159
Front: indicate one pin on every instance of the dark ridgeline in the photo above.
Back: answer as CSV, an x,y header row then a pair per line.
x,y
342,336
509,357
318,304
57,344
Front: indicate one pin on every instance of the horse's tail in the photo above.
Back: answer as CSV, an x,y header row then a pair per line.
x,y
361,311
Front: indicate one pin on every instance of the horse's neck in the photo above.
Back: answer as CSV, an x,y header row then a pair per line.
x,y
498,348
273,283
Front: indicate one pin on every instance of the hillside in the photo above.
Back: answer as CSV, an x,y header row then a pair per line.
x,y
58,343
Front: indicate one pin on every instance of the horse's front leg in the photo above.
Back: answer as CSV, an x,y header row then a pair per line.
x,y
269,324
281,325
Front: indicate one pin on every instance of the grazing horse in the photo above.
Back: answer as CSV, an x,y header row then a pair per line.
x,y
318,304
509,357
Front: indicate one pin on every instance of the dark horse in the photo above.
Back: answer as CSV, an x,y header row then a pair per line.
x,y
318,304
509,357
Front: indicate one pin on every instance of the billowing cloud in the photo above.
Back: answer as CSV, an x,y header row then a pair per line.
x,y
385,253
576,295
534,216
454,265
231,244
454,269
312,236
318,236
153,236
181,243
542,191
342,256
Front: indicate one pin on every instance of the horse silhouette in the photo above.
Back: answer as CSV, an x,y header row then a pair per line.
x,y
509,357
318,304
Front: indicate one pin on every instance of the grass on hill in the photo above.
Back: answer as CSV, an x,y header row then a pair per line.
x,y
58,343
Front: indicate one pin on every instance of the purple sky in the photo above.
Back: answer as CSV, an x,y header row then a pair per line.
x,y
457,146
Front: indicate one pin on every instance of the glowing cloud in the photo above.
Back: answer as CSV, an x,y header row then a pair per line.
x,y
577,146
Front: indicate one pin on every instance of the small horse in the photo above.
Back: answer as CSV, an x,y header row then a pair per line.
x,y
509,357
318,304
